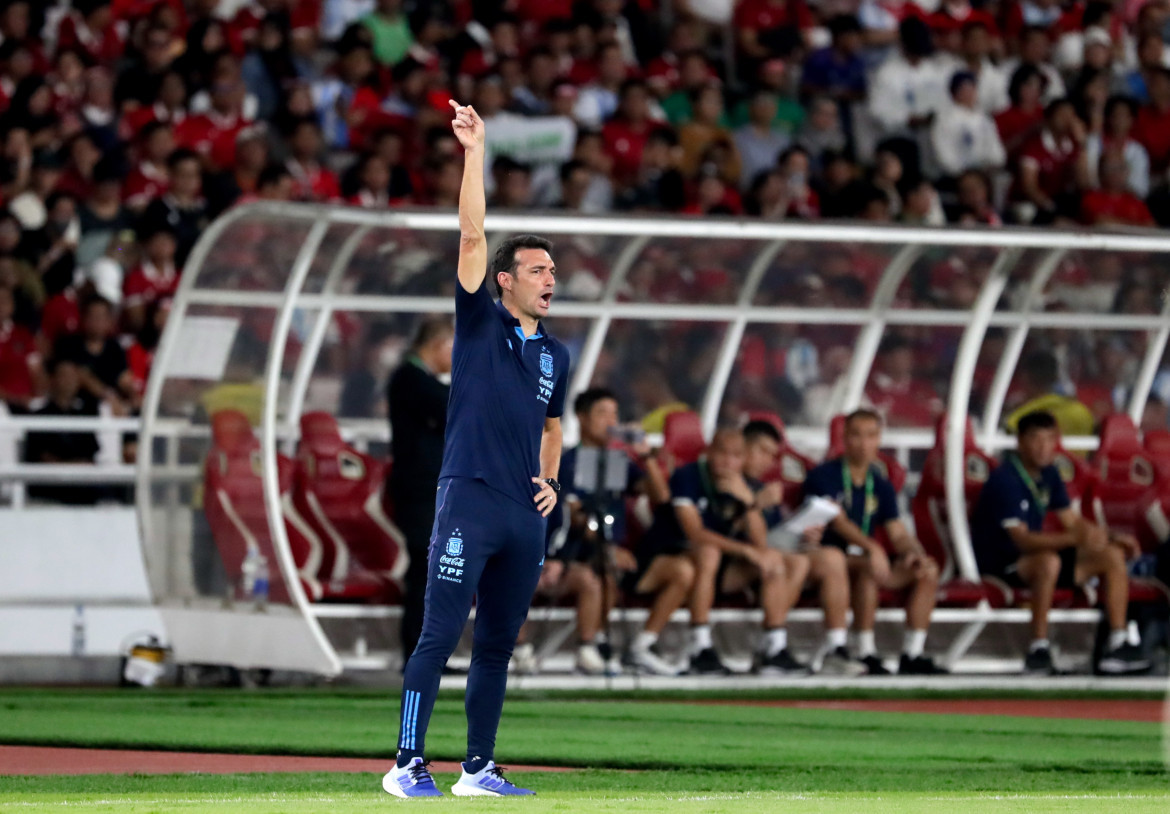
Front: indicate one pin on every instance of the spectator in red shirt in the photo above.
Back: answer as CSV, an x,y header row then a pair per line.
x,y
767,28
140,355
897,389
156,277
625,134
213,134
1113,204
312,181
92,29
1051,167
372,182
1152,129
148,179
20,361
1024,119
169,107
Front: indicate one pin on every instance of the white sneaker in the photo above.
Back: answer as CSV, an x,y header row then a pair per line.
x,y
488,782
648,661
524,660
589,660
412,780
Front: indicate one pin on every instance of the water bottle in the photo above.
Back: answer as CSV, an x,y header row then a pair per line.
x,y
260,582
77,644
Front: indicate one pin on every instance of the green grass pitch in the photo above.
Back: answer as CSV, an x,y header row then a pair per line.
x,y
660,754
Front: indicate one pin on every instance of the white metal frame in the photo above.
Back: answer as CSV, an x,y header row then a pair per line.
x,y
881,313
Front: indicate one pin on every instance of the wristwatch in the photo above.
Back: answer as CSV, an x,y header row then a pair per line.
x,y
554,483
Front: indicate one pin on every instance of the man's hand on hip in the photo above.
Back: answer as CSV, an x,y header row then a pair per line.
x,y
546,498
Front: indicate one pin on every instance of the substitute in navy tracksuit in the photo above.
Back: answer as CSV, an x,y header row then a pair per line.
x,y
489,535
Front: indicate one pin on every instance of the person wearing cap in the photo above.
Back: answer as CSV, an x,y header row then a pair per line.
x,y
965,137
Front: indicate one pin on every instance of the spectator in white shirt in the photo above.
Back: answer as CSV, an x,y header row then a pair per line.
x,y
908,89
965,137
1036,50
598,100
1116,135
991,81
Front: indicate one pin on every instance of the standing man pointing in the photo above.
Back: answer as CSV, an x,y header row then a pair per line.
x,y
497,485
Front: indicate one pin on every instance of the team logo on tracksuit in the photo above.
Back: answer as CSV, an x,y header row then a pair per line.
x,y
451,563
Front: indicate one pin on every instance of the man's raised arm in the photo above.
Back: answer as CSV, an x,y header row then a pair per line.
x,y
468,127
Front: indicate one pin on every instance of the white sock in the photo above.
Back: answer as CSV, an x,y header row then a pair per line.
x,y
866,646
775,640
836,637
1038,644
1117,638
1134,635
644,641
913,643
700,638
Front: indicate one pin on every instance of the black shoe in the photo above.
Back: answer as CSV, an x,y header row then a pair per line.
x,y
781,663
874,667
707,662
919,666
1123,660
1039,662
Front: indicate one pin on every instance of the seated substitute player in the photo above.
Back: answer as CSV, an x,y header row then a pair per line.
x,y
1011,544
579,561
497,485
827,566
712,518
869,503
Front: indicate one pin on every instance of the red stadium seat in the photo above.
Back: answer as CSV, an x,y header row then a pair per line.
x,y
682,437
233,499
889,466
1078,477
1157,443
792,468
931,521
339,491
1126,486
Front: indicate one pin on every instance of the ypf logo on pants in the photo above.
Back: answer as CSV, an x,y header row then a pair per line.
x,y
451,564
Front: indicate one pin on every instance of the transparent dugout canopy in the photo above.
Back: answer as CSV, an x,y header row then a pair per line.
x,y
289,308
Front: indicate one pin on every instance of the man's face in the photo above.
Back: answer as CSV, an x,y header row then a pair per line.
x,y
446,344
1037,447
863,438
598,421
66,381
760,457
531,288
97,322
726,456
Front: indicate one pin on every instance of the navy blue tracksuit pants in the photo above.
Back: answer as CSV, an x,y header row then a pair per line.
x,y
487,546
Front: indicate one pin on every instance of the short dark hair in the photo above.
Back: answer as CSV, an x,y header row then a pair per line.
x,y
429,329
271,175
505,257
1035,420
863,413
754,430
587,399
1022,76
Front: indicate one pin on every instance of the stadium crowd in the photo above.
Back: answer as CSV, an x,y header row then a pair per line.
x,y
128,124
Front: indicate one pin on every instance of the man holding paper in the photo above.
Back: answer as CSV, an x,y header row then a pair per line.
x,y
801,534
870,506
